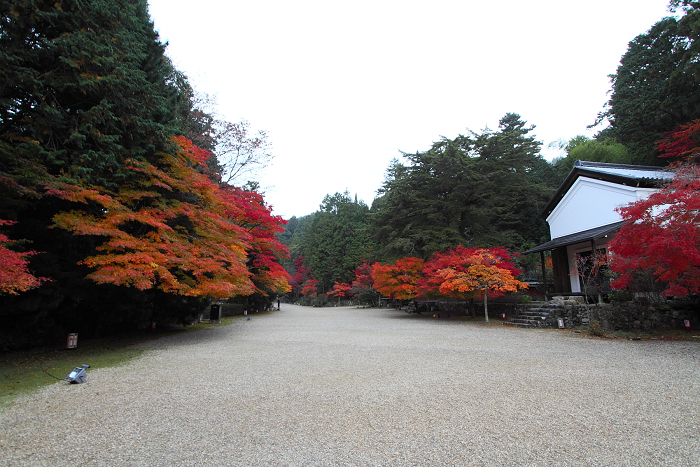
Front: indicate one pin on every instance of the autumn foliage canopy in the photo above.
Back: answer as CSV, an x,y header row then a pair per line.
x,y
110,219
400,279
457,273
171,228
480,270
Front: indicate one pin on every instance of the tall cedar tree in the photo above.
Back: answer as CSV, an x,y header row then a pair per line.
x,y
84,85
424,204
655,87
338,240
481,189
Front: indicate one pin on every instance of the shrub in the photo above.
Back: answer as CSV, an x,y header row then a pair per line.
x,y
594,329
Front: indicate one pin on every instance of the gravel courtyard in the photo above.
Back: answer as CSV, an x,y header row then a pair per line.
x,y
346,386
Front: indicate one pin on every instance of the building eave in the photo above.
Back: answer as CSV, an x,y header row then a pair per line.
x,y
579,237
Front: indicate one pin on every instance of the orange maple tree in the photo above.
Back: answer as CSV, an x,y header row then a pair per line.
x,y
168,227
398,280
464,271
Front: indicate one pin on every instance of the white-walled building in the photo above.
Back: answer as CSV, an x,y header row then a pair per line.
x,y
581,214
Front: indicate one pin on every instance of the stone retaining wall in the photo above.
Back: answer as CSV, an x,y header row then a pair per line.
x,y
627,316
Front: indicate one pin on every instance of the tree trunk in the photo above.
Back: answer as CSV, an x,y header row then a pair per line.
x,y
486,306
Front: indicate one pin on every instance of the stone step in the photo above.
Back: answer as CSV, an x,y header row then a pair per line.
x,y
529,321
526,321
542,307
527,318
533,313
537,314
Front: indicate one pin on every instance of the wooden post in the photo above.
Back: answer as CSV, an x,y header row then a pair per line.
x,y
544,275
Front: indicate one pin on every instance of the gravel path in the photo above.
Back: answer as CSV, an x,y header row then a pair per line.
x,y
345,386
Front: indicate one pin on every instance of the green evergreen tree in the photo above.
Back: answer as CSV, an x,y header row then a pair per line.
x,y
655,87
84,87
424,206
85,84
338,240
514,185
582,148
481,189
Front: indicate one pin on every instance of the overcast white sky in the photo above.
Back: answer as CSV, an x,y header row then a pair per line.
x,y
341,87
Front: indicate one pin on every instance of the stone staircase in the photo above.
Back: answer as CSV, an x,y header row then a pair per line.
x,y
545,314
532,315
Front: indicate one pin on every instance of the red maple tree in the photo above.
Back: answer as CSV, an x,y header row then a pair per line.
x,y
662,237
300,276
264,251
339,289
310,288
14,267
363,278
682,144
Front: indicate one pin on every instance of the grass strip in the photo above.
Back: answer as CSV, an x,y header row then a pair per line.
x,y
24,371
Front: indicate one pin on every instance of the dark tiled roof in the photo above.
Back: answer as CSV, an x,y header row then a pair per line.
x,y
578,237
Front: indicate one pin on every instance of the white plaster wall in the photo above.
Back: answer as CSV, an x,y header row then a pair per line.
x,y
589,204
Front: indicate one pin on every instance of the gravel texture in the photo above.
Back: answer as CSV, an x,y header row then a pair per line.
x,y
347,386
